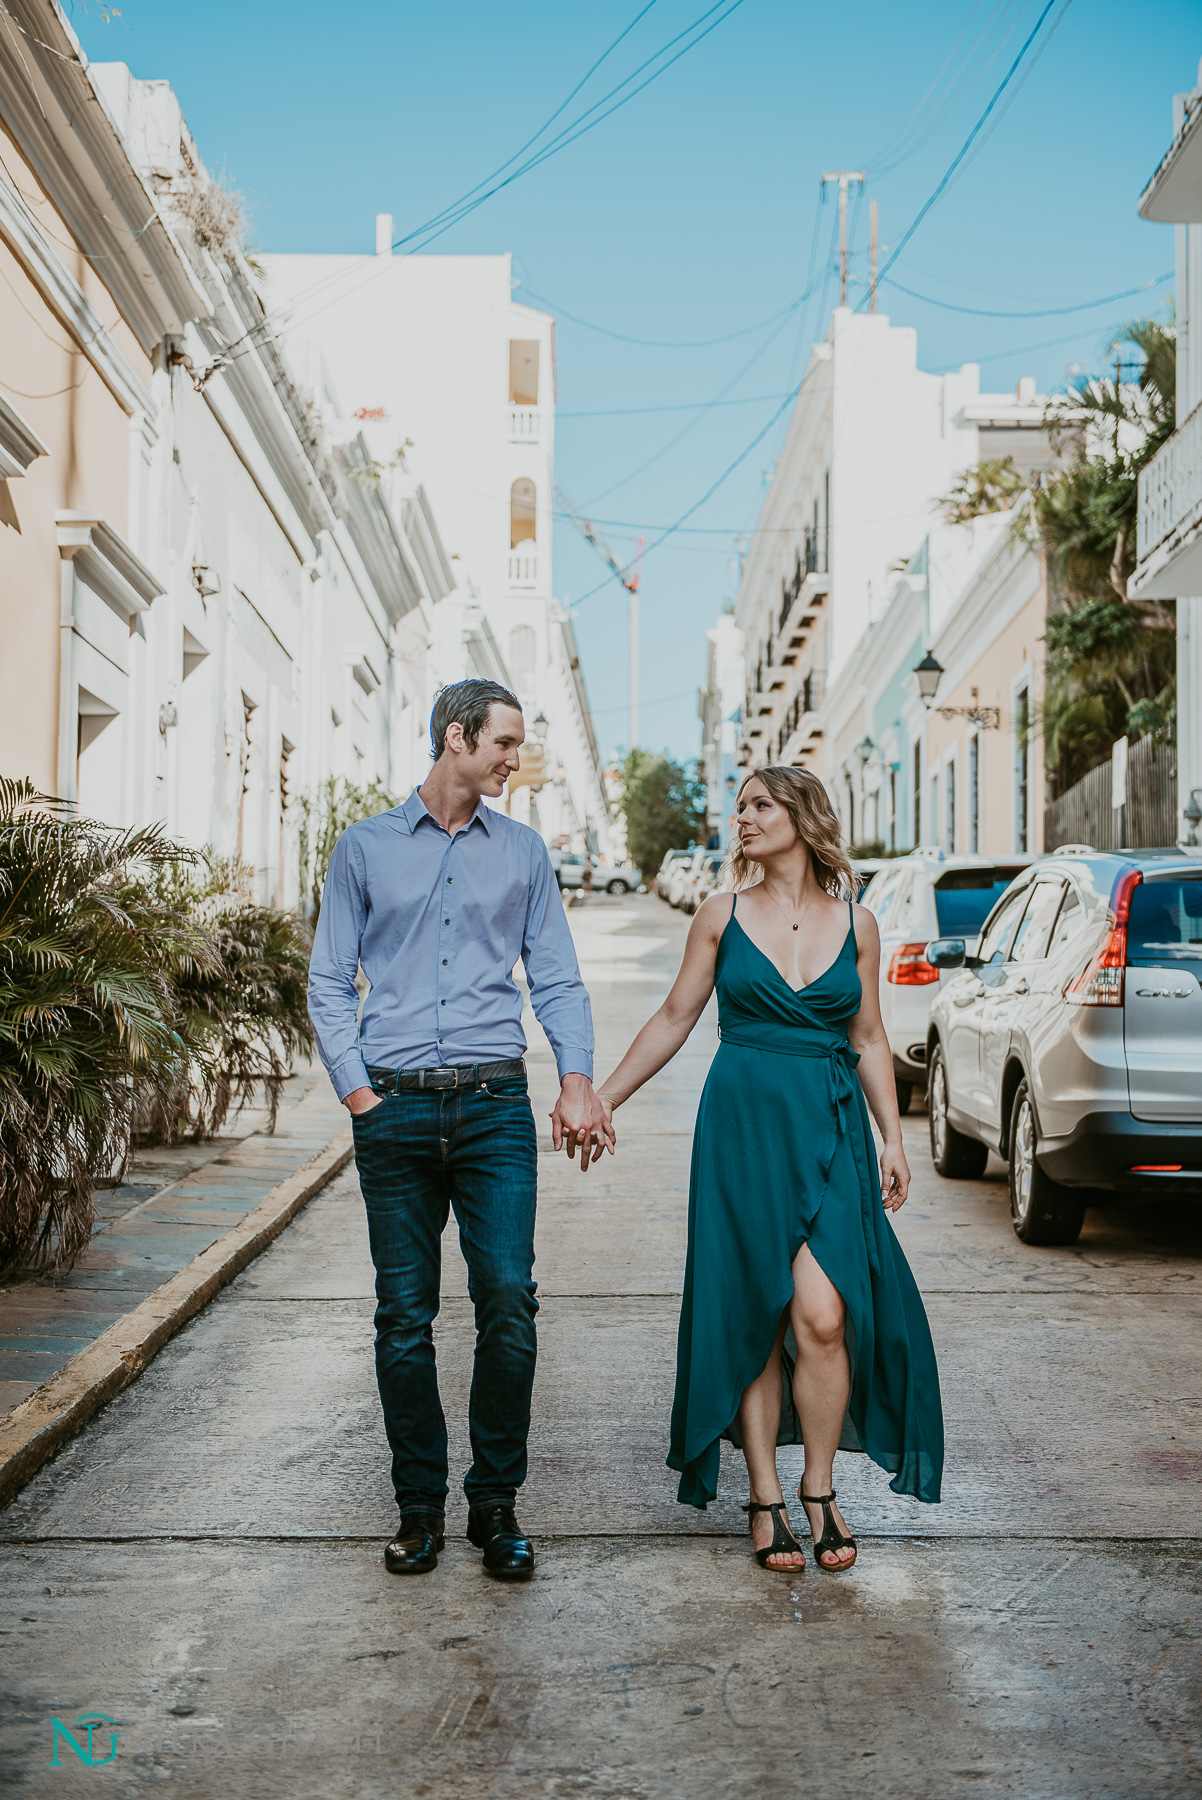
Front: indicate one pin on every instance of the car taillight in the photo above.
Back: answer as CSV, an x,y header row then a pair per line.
x,y
908,967
1100,982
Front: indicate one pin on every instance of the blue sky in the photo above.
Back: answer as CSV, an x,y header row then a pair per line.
x,y
691,214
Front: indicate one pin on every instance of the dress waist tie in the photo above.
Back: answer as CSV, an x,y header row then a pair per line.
x,y
841,1061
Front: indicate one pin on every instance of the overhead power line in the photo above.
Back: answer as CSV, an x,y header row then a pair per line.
x,y
727,337
474,198
1043,312
966,146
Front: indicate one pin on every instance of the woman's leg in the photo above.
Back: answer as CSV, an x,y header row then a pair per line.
x,y
759,1422
821,1384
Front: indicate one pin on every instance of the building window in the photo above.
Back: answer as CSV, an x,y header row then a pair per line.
x,y
851,814
917,795
521,657
1022,768
950,802
281,883
523,373
893,808
934,806
523,498
974,792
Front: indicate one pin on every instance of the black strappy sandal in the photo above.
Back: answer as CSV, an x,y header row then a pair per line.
x,y
832,1538
783,1540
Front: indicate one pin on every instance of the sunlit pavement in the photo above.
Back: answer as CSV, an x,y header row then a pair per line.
x,y
203,1566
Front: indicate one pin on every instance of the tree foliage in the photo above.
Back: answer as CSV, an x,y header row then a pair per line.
x,y
664,803
324,818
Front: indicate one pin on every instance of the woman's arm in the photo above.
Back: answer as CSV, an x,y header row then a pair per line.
x,y
667,1029
867,1036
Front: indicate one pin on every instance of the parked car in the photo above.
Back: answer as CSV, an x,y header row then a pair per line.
x,y
914,898
668,867
702,879
622,878
679,874
572,864
1070,1041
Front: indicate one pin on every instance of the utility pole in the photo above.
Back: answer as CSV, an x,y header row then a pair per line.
x,y
844,177
631,583
872,220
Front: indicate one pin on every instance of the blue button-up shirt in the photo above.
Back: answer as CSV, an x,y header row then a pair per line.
x,y
437,923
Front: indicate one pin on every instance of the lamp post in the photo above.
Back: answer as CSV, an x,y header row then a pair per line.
x,y
928,674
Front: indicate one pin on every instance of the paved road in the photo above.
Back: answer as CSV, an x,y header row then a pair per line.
x,y
203,1564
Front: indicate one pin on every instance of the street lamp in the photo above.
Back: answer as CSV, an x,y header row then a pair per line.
x,y
864,750
927,673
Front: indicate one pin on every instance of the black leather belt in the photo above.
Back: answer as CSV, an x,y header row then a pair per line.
x,y
457,1075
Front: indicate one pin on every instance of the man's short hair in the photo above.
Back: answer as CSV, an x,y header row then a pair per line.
x,y
466,703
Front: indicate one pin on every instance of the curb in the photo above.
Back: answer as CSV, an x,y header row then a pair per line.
x,y
43,1423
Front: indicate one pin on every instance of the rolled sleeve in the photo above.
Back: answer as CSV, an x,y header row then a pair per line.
x,y
333,966
557,994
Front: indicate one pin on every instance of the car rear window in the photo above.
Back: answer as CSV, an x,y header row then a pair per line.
x,y
1166,922
964,898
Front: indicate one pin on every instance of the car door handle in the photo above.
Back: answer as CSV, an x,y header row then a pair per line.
x,y
973,991
1021,986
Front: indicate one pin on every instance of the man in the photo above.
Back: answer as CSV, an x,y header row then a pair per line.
x,y
437,900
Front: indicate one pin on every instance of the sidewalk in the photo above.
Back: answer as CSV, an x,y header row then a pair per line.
x,y
176,1204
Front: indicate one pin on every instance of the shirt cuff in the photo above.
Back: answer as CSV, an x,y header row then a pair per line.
x,y
349,1074
574,1059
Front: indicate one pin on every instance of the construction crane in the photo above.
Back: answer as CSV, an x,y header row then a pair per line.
x,y
630,575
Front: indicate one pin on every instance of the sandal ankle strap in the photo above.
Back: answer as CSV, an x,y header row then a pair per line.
x,y
817,1499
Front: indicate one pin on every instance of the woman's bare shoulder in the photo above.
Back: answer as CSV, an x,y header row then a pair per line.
x,y
867,935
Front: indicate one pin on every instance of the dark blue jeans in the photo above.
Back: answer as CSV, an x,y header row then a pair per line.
x,y
418,1154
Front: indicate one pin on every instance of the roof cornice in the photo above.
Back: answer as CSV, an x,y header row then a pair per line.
x,y
67,300
61,126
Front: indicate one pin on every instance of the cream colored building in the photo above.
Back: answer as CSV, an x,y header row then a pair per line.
x,y
963,773
209,603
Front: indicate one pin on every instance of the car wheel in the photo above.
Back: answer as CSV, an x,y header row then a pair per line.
x,y
1041,1211
616,887
953,1154
904,1090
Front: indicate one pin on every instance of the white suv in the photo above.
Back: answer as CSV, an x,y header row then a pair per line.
x,y
925,895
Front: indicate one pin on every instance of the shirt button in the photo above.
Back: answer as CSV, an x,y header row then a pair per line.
x,y
442,1002
450,879
446,921
444,962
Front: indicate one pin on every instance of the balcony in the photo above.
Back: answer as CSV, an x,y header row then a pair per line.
x,y
523,569
523,425
1169,534
1174,194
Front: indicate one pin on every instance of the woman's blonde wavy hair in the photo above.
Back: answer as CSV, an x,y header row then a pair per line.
x,y
817,824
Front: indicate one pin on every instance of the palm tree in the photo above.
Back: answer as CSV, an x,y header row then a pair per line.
x,y
84,1005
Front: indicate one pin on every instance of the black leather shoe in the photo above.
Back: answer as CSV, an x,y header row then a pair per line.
x,y
414,1549
507,1553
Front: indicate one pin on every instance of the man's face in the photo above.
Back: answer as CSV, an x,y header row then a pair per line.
x,y
495,757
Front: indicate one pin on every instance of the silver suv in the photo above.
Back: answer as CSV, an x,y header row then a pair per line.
x,y
1071,1041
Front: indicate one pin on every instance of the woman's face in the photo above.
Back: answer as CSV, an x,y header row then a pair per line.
x,y
764,827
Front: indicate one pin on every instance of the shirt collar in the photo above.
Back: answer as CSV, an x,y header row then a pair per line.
x,y
414,810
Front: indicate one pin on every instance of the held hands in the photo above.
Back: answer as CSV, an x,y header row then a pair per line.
x,y
581,1120
895,1177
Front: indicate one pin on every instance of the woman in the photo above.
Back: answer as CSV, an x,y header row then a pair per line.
x,y
789,1246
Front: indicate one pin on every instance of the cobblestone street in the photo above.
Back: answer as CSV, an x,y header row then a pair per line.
x,y
203,1565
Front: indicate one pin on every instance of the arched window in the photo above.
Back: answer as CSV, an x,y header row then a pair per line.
x,y
521,657
523,498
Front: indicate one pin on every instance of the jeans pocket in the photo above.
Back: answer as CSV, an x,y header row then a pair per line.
x,y
360,1120
514,1092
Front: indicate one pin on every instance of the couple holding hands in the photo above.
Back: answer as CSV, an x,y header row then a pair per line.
x,y
800,1320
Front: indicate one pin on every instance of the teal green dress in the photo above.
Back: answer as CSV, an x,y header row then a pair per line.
x,y
783,1156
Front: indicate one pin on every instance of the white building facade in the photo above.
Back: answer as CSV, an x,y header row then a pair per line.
x,y
1169,532
455,383
240,609
873,441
